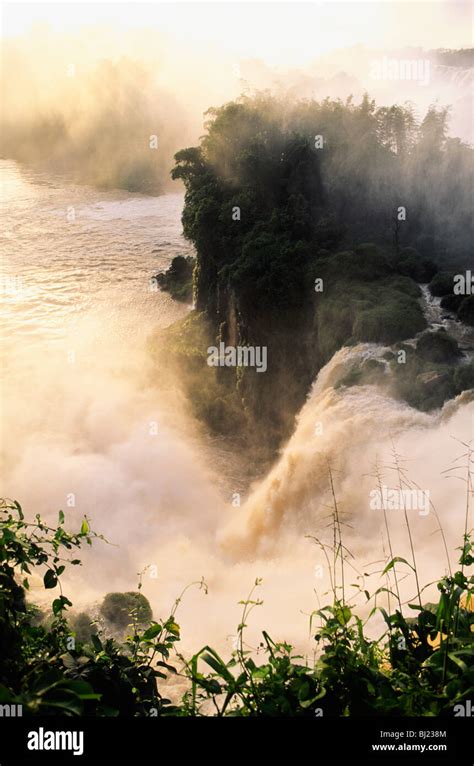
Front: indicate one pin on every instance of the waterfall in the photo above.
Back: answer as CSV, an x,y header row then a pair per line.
x,y
351,429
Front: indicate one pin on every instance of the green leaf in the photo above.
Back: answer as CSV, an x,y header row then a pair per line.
x,y
84,527
392,563
61,517
172,627
96,642
458,661
50,580
152,631
216,663
162,664
81,688
343,615
303,691
59,604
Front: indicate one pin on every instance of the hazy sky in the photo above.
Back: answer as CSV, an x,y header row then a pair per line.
x,y
280,33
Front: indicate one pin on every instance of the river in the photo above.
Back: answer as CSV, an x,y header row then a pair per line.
x,y
72,254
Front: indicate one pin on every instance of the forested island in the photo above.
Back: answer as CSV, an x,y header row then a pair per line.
x,y
314,225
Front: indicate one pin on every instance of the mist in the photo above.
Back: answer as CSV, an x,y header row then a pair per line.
x,y
110,107
96,109
161,500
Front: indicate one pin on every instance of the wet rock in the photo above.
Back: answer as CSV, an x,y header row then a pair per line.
x,y
432,379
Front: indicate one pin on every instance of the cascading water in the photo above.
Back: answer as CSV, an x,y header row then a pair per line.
x,y
353,431
88,431
439,318
350,429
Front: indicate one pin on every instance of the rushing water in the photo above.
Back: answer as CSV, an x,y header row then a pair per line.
x,y
438,318
71,253
85,430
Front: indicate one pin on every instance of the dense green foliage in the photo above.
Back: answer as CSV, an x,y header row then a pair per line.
x,y
178,279
47,668
261,155
364,299
421,665
117,607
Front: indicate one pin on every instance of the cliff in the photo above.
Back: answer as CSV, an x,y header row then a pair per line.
x,y
312,229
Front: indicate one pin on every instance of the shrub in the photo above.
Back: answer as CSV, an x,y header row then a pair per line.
x,y
120,609
421,665
178,279
451,302
464,377
438,347
411,264
466,310
389,322
38,669
442,284
82,626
